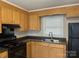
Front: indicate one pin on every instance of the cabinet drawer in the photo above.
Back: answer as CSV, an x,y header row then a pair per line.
x,y
4,55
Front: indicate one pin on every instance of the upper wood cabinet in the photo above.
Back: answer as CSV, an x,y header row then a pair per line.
x,y
21,18
16,16
34,22
12,15
26,22
72,11
7,13
23,21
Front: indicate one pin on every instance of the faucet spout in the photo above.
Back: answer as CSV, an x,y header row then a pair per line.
x,y
51,35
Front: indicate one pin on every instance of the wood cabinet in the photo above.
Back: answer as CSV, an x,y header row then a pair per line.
x,y
0,18
34,22
26,22
23,21
0,26
21,18
45,50
7,13
0,22
42,50
16,16
4,54
28,49
72,11
39,50
57,51
12,15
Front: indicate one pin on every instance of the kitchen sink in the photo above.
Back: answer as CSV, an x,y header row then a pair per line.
x,y
52,40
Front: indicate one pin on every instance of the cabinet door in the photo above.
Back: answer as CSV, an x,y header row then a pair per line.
x,y
16,16
0,21
73,11
28,49
42,50
34,22
7,13
0,26
21,19
26,20
38,50
31,49
45,50
57,51
23,22
4,54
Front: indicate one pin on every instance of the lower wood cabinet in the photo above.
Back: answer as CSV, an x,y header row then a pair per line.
x,y
4,54
39,50
0,26
45,50
57,51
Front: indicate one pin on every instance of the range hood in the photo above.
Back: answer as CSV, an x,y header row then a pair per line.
x,y
11,25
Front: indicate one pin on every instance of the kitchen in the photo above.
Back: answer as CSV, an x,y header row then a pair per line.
x,y
30,31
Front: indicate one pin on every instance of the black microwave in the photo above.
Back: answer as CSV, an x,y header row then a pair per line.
x,y
8,29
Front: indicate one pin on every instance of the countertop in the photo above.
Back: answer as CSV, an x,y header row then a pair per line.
x,y
41,39
26,39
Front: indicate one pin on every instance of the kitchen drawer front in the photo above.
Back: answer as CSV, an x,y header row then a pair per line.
x,y
4,54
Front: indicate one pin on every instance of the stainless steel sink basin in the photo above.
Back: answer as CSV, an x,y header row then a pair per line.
x,y
52,40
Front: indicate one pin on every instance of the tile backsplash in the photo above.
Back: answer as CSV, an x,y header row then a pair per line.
x,y
22,34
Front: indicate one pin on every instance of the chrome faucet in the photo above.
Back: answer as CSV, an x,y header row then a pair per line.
x,y
51,35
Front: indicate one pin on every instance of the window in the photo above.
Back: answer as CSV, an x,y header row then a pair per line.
x,y
54,24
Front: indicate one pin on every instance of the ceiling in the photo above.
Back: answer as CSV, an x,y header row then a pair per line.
x,y
39,4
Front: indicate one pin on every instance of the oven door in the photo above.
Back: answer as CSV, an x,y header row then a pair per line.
x,y
18,52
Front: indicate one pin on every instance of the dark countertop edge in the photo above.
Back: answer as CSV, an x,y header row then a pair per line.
x,y
39,37
62,43
63,40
